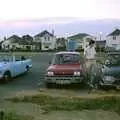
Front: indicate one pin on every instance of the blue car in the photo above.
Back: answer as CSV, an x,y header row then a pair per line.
x,y
11,67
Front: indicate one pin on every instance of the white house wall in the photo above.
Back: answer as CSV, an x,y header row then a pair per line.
x,y
5,45
51,43
110,42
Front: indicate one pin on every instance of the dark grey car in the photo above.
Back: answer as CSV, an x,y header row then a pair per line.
x,y
110,70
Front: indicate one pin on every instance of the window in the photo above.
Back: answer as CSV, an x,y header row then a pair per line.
x,y
114,37
48,38
114,45
45,38
66,59
4,46
46,47
13,46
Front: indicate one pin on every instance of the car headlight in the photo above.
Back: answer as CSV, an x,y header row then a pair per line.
x,y
50,73
107,62
109,78
76,73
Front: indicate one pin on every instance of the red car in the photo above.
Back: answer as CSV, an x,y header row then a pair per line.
x,y
65,68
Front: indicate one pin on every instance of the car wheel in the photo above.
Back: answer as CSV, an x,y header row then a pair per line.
x,y
27,69
118,87
47,85
6,77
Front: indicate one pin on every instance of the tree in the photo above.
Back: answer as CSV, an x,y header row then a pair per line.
x,y
61,44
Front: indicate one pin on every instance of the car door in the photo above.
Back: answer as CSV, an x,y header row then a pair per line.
x,y
17,67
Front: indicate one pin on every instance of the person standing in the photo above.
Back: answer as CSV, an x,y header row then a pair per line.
x,y
90,57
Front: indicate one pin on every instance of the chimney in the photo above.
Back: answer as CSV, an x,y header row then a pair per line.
x,y
53,32
4,38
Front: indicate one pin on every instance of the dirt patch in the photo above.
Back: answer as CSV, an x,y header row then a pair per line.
x,y
64,93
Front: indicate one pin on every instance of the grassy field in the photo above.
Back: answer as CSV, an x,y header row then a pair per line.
x,y
66,106
111,103
13,116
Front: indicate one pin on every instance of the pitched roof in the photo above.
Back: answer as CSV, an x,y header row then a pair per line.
x,y
78,36
19,40
43,33
1,42
14,39
115,32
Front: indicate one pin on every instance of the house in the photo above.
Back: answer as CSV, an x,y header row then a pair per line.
x,y
47,40
113,39
82,39
18,43
11,43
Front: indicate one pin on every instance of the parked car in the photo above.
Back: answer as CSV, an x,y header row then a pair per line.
x,y
110,71
65,68
11,67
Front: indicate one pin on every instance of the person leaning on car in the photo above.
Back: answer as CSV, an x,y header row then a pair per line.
x,y
90,57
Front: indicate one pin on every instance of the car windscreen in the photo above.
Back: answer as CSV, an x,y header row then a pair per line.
x,y
4,58
66,59
113,60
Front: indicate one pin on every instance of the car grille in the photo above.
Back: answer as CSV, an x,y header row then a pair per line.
x,y
63,73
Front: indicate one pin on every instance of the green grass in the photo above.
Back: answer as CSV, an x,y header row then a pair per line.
x,y
111,103
14,116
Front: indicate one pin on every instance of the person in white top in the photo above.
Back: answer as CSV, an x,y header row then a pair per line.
x,y
90,52
90,56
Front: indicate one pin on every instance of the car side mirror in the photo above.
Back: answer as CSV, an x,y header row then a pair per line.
x,y
49,62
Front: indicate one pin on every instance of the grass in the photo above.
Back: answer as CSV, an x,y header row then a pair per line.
x,y
13,116
111,103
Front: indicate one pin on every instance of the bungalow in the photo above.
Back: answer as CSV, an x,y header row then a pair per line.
x,y
17,43
113,39
82,39
11,43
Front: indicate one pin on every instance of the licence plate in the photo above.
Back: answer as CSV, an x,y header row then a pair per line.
x,y
62,81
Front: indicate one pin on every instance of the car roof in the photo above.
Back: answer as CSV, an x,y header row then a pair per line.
x,y
67,52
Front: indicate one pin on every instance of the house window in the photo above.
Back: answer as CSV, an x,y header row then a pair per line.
x,y
8,46
45,38
114,37
4,46
48,38
46,47
114,45
13,46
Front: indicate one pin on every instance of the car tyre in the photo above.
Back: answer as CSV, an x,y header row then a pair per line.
x,y
6,77
27,69
48,85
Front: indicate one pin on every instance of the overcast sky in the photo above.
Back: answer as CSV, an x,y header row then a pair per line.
x,y
21,16
36,9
